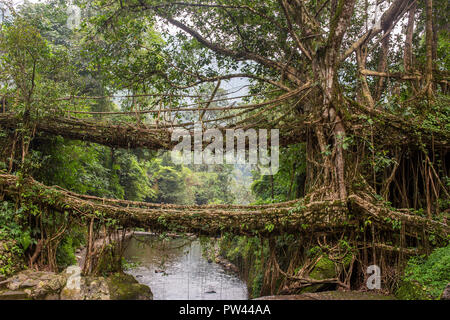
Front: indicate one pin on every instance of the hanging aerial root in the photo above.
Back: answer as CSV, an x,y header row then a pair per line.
x,y
385,215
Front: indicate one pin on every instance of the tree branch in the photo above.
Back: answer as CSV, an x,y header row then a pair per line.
x,y
243,55
391,15
291,30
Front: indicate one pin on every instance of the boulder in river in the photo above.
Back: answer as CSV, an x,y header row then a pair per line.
x,y
117,286
124,287
446,293
71,285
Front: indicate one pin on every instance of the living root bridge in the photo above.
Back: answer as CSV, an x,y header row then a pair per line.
x,y
264,220
124,135
206,219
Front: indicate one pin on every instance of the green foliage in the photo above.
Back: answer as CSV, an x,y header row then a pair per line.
x,y
210,187
437,117
169,182
132,47
76,166
288,182
8,220
25,240
33,70
11,225
133,176
128,265
50,18
257,283
41,63
189,185
426,277
65,254
11,257
324,269
13,239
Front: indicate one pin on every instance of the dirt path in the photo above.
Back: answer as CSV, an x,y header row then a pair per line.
x,y
332,295
80,254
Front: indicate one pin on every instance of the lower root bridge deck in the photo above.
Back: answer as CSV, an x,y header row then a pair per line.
x,y
263,220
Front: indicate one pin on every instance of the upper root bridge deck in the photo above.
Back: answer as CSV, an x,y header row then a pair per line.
x,y
126,135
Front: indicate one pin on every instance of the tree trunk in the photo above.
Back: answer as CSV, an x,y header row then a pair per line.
x,y
407,53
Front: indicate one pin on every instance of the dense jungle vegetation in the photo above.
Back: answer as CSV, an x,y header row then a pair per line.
x,y
358,89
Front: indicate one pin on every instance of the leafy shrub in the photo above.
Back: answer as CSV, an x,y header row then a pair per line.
x,y
14,240
11,257
9,224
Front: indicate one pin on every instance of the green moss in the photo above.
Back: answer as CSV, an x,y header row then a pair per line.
x,y
311,289
324,269
426,277
409,290
335,20
347,260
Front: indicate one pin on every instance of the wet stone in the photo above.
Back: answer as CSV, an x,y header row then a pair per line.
x,y
13,295
446,293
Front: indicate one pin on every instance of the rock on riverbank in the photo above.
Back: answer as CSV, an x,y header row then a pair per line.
x,y
70,285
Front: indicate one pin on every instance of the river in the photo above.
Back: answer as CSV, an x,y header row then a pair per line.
x,y
175,269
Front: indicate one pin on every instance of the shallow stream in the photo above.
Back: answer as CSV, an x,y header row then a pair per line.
x,y
175,269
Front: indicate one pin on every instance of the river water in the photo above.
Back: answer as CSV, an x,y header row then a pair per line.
x,y
175,269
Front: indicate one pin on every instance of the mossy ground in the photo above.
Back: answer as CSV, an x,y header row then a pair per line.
x,y
333,295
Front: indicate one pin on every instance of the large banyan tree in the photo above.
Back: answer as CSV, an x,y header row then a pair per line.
x,y
364,84
357,80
